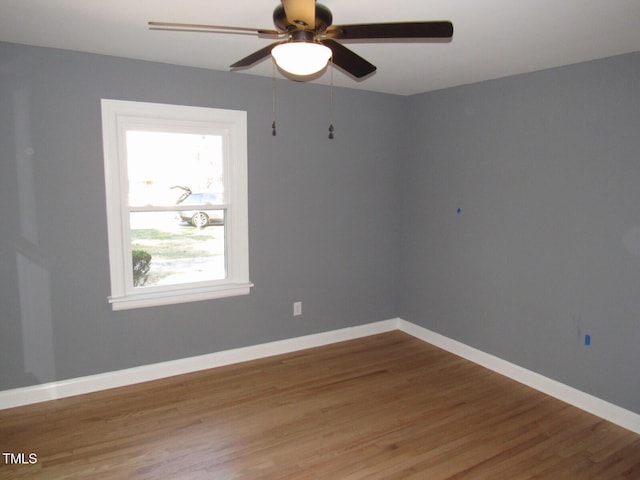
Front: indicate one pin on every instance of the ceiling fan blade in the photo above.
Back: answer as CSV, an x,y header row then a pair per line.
x,y
300,12
255,57
440,29
194,27
348,60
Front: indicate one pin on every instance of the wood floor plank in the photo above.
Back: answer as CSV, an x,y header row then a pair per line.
x,y
383,407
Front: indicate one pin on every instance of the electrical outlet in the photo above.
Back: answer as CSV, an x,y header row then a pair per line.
x,y
297,309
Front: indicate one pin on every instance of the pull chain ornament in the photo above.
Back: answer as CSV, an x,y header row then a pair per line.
x,y
331,129
273,87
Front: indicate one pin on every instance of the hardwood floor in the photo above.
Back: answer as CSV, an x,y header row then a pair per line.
x,y
382,407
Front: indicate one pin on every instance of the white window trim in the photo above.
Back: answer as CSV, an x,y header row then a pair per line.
x,y
117,115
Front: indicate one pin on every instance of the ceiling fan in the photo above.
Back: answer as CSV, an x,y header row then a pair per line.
x,y
307,39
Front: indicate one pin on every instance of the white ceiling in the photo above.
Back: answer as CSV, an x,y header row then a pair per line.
x,y
492,38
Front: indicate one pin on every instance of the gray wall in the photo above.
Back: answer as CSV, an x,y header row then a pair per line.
x,y
545,168
545,249
322,215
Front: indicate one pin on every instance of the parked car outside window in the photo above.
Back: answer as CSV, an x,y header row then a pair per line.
x,y
201,216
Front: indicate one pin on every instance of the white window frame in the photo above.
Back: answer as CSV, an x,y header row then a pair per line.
x,y
117,117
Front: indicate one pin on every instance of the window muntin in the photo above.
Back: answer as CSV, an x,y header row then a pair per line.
x,y
176,191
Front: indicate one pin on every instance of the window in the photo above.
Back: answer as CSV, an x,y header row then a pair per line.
x,y
176,190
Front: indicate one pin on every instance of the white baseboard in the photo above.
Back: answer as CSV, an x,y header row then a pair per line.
x,y
92,383
601,408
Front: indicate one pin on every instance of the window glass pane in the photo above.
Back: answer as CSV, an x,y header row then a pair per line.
x,y
166,167
168,250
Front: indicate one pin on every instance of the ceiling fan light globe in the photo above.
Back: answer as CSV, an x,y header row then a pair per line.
x,y
301,58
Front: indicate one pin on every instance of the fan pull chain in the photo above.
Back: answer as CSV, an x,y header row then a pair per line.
x,y
273,89
331,129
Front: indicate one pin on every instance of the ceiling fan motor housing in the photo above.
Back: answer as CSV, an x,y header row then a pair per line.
x,y
324,19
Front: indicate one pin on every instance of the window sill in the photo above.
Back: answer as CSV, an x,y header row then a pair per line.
x,y
154,299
